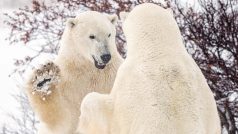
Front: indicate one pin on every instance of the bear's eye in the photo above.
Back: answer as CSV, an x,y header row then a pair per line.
x,y
109,35
92,37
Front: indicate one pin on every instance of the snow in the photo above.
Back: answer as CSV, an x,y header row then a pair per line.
x,y
8,54
7,102
233,96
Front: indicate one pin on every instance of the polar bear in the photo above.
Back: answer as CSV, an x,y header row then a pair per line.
x,y
87,61
158,89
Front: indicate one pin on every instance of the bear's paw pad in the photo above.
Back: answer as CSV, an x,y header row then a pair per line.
x,y
45,78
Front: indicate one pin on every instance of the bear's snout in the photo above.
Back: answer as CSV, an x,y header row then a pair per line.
x,y
106,58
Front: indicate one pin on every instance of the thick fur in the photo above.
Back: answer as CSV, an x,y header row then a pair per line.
x,y
159,89
59,111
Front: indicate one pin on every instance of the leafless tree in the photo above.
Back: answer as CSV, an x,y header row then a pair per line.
x,y
210,35
209,29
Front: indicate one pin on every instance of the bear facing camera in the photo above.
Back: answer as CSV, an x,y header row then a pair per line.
x,y
87,61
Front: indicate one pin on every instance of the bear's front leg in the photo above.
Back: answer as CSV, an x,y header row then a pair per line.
x,y
45,96
45,79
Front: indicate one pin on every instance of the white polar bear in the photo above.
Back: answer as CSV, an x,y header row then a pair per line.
x,y
159,89
87,61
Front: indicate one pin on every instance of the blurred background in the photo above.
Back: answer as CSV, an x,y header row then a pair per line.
x,y
30,31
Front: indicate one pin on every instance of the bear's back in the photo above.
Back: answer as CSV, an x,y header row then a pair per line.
x,y
159,87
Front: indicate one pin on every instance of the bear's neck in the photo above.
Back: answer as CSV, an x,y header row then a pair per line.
x,y
155,47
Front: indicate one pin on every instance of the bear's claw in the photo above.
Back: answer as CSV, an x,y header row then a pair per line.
x,y
44,78
43,82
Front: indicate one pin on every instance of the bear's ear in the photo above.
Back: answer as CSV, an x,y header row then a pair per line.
x,y
112,18
123,16
71,22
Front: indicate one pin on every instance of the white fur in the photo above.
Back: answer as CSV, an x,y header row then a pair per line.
x,y
60,111
159,89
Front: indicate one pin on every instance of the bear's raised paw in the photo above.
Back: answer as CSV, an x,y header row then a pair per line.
x,y
45,79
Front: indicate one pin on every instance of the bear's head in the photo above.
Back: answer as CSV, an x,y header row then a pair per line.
x,y
92,35
150,27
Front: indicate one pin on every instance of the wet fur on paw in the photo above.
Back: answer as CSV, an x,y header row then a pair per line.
x,y
44,78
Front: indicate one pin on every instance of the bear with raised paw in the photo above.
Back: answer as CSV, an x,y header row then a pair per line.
x,y
87,61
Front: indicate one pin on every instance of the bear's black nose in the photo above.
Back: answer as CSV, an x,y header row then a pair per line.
x,y
106,58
